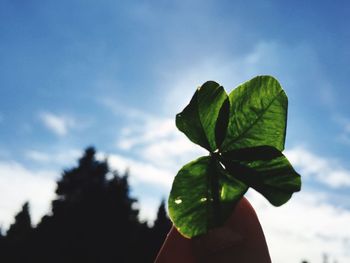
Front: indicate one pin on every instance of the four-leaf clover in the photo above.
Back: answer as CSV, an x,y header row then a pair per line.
x,y
244,133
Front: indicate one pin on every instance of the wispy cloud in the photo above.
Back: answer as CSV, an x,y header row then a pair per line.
x,y
63,157
58,124
118,108
325,170
150,130
140,172
157,141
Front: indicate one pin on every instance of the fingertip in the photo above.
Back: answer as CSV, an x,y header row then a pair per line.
x,y
176,248
245,221
241,239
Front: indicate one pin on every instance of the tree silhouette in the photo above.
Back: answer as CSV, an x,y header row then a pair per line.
x,y
92,219
2,245
162,221
18,237
2,237
161,227
20,230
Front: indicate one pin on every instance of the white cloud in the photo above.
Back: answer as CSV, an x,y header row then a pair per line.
x,y
157,141
148,208
18,185
64,157
304,228
120,109
56,123
327,171
149,130
171,152
140,172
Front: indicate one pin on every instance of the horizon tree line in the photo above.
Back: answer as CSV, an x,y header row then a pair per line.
x,y
92,219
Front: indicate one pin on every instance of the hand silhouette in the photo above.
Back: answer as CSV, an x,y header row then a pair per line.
x,y
240,240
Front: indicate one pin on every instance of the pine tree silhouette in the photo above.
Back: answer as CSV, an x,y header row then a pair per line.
x,y
161,227
18,237
92,219
162,221
20,230
2,237
2,244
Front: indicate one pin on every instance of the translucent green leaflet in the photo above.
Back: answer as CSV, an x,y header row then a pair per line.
x,y
244,133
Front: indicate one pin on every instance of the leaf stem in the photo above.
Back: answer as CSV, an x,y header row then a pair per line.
x,y
214,185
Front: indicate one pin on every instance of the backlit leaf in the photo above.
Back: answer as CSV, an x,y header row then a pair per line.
x,y
202,196
258,115
271,174
245,134
198,120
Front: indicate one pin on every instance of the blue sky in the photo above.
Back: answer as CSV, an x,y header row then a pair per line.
x,y
113,74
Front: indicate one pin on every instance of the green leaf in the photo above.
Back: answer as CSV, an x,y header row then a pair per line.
x,y
198,120
258,115
244,133
222,122
266,170
202,196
